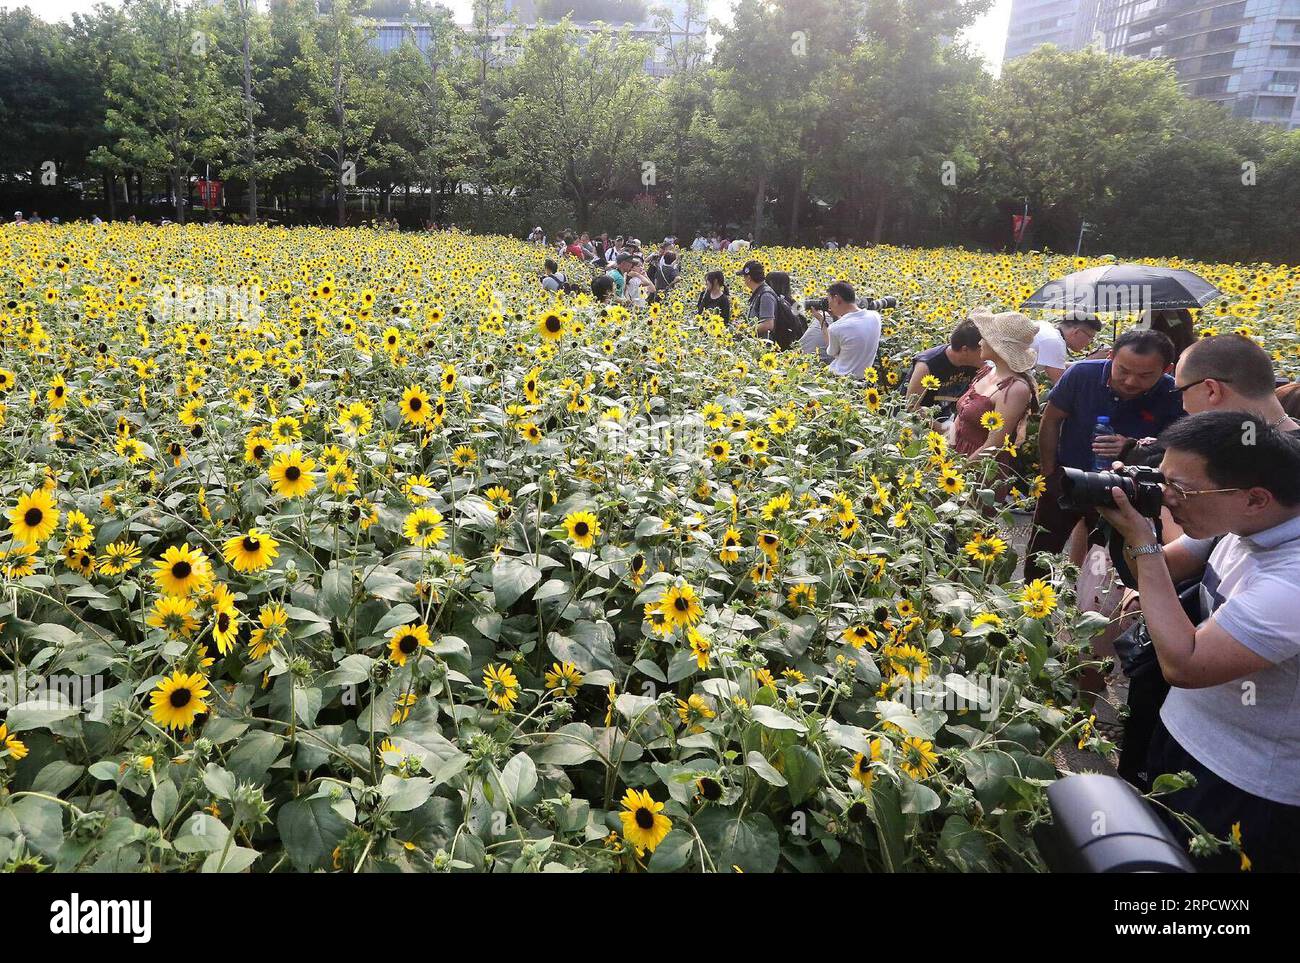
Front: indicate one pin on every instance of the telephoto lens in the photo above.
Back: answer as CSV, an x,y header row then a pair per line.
x,y
879,304
1082,491
816,304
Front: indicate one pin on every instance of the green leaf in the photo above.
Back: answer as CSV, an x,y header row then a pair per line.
x,y
672,854
219,782
750,843
37,715
965,846
336,591
755,761
57,776
201,833
803,771
771,718
887,814
589,646
163,804
403,795
519,778
511,578
309,831
402,614
236,859
918,797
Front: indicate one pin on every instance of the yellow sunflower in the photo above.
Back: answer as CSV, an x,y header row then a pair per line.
x,y
291,474
34,518
406,640
178,699
183,571
251,552
582,528
644,825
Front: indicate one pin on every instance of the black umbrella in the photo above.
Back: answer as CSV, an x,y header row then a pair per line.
x,y
1124,289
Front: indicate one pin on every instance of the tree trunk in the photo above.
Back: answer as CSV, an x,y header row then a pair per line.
x,y
760,197
879,227
340,200
177,196
248,113
796,203
110,195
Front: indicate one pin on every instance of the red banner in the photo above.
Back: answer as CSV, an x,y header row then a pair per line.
x,y
209,192
1020,224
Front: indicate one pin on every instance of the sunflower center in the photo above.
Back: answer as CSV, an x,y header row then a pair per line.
x,y
681,604
645,819
293,473
223,622
182,570
416,404
259,452
580,529
251,544
32,517
180,698
553,324
408,643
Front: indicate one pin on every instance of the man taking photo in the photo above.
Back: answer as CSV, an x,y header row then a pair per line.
x,y
1232,716
1134,391
853,336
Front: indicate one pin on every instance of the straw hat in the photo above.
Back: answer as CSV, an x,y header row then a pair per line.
x,y
1010,334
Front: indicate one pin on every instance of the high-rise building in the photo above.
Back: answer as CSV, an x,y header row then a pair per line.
x,y
1243,54
1068,24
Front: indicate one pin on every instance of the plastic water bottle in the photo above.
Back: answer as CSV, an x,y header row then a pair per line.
x,y
1102,462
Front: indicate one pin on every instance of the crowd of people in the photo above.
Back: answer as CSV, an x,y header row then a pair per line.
x,y
1218,695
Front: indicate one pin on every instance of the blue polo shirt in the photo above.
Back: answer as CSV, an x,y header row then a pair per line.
x,y
1084,394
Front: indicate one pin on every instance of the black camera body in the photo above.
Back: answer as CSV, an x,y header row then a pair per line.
x,y
1083,491
816,304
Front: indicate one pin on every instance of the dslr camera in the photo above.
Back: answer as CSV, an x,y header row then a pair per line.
x,y
1085,490
869,304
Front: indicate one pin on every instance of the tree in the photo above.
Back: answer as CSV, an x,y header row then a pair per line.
x,y
168,105
438,123
1062,129
577,120
248,53
899,106
345,93
755,119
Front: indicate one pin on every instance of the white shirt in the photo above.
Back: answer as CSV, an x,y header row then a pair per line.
x,y
1247,731
1052,352
814,340
852,341
699,244
736,246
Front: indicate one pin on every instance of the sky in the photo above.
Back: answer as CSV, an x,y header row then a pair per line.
x,y
986,36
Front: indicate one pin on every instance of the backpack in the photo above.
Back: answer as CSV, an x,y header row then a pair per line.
x,y
664,282
789,327
566,286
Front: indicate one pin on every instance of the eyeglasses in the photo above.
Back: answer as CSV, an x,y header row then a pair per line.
x,y
1188,387
1182,492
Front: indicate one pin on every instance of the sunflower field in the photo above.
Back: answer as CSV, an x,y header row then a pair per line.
x,y
348,551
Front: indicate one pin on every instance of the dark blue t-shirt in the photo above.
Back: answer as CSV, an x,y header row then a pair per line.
x,y
1084,394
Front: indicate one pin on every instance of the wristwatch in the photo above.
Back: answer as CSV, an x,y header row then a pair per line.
x,y
1131,553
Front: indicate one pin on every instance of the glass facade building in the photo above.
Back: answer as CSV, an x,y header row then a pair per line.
x,y
1243,54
